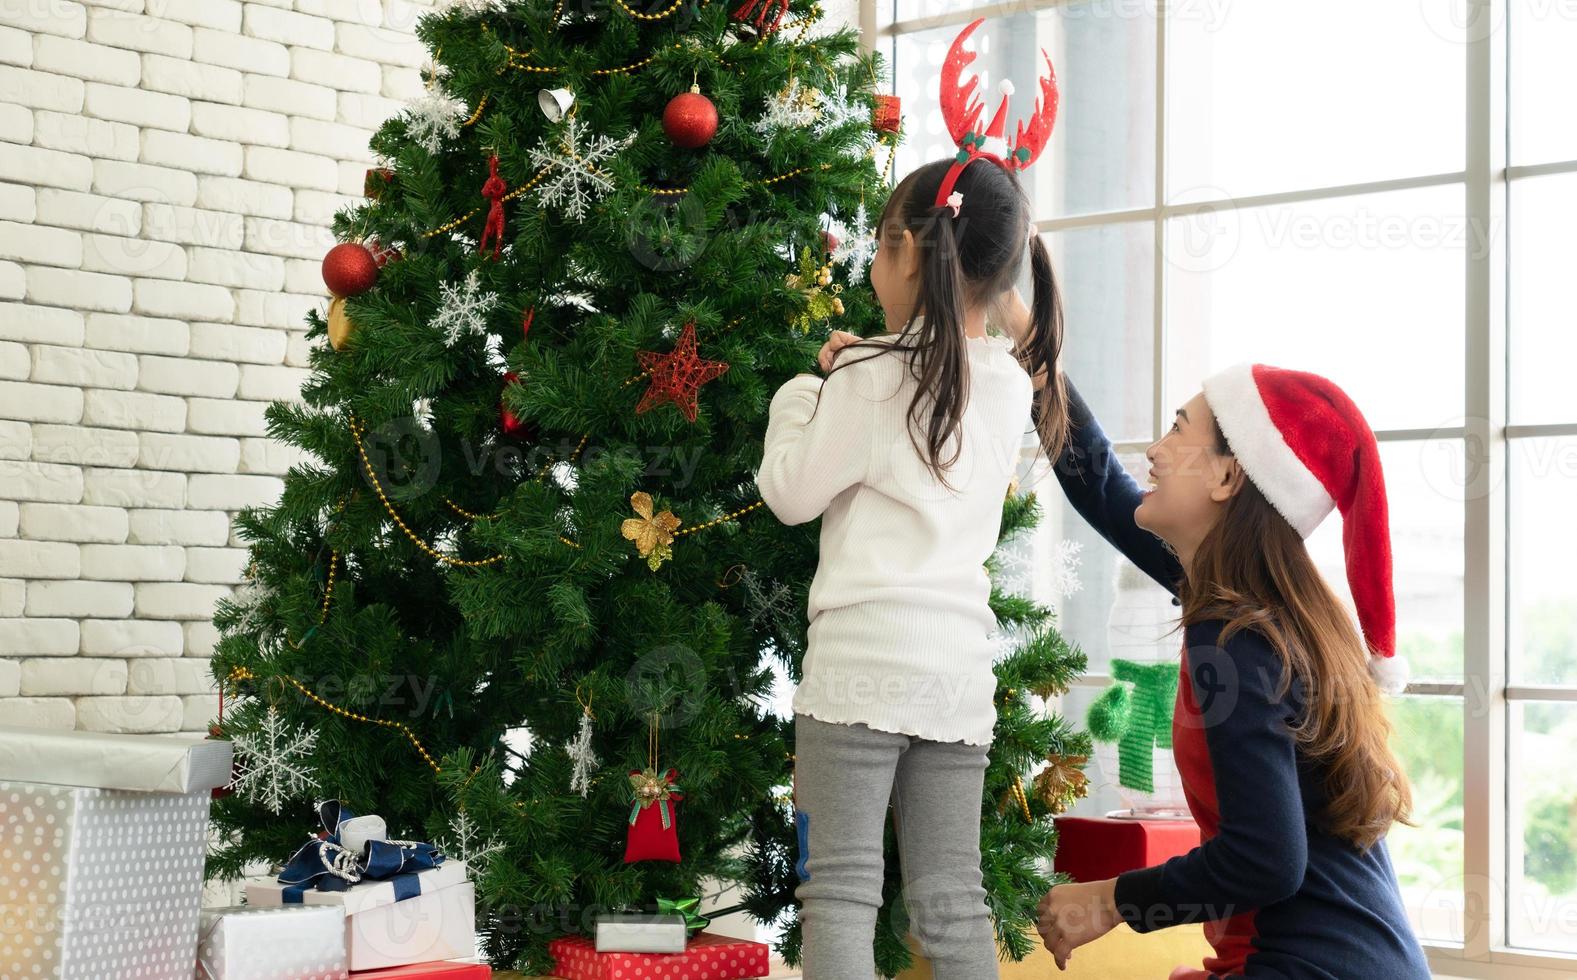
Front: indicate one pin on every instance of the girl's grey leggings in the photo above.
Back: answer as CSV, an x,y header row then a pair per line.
x,y
843,777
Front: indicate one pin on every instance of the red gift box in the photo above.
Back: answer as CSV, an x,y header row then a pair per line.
x,y
706,957
437,969
1097,848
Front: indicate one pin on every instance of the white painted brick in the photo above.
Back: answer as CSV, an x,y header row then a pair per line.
x,y
70,522
245,270
84,367
41,481
79,599
191,79
227,418
198,712
352,179
140,182
336,71
261,382
178,600
130,638
130,715
380,45
133,562
80,445
185,376
40,90
290,239
330,139
240,125
57,713
246,197
195,153
16,47
193,226
403,84
230,49
182,300
134,410
90,62
13,595
60,17
189,454
304,276
16,442
85,290
356,11
320,207
13,285
289,97
366,111
287,27
139,107
126,257
124,6
38,559
139,33
138,334
38,637
35,243
47,168
282,310
298,350
40,324
41,403
179,676
221,15
89,212
183,527
270,456
221,566
90,137
133,488
228,342
402,15
16,201
72,675
201,637
207,491
16,124
10,677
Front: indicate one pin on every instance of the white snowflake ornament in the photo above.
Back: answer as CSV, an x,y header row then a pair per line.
x,y
464,309
273,762
465,843
584,758
793,107
434,117
575,178
856,246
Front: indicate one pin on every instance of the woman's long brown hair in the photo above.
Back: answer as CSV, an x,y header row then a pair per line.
x,y
1254,571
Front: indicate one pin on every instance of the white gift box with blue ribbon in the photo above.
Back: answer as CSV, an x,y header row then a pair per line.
x,y
404,901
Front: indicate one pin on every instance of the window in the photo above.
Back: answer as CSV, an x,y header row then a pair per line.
x,y
1380,192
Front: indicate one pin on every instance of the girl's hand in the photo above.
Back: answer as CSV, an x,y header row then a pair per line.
x,y
1072,915
835,343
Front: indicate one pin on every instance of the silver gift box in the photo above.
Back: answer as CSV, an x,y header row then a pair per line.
x,y
290,942
636,932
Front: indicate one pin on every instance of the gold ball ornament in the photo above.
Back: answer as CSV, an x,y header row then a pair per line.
x,y
340,327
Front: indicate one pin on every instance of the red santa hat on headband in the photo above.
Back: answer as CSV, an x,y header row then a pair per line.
x,y
1307,448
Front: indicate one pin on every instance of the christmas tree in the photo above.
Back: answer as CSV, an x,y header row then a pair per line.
x,y
523,599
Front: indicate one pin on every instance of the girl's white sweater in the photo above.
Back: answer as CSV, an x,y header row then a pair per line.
x,y
899,613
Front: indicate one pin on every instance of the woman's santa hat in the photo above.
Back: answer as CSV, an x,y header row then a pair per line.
x,y
1307,448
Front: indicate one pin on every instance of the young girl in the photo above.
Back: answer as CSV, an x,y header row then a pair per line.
x,y
906,451
1279,731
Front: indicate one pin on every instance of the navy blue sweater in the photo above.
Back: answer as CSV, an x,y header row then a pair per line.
x,y
1280,898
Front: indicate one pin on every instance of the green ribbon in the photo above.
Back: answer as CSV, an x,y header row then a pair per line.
x,y
689,908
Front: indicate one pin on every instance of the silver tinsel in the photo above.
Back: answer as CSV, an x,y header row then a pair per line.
x,y
585,759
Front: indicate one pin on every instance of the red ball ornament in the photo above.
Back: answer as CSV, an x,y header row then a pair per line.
x,y
690,119
349,269
383,254
513,425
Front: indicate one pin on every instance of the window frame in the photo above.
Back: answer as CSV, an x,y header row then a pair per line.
x,y
1486,182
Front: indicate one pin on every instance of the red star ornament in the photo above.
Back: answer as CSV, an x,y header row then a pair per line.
x,y
677,376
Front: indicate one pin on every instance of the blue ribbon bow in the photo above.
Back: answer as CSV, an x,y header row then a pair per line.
x,y
325,864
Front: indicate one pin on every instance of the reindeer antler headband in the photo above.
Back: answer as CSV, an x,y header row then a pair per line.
x,y
962,109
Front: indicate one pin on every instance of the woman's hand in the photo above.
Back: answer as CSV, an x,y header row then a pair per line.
x,y
1072,915
838,340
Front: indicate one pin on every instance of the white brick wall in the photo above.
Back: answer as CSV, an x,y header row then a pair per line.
x,y
168,169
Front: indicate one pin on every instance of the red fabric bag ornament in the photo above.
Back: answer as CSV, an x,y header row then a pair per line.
x,y
494,190
654,816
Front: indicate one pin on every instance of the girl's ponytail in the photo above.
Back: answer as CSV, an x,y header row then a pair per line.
x,y
940,362
1041,351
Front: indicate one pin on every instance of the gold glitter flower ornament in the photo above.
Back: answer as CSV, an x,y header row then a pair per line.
x,y
653,534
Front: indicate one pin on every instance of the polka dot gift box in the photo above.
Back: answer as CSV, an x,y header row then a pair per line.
x,y
102,840
297,942
707,957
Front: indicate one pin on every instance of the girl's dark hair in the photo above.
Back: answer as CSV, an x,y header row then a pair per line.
x,y
971,259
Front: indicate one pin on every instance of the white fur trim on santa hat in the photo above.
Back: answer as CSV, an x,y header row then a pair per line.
x,y
1390,673
1276,470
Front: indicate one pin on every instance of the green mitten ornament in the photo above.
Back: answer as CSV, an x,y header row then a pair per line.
x,y
1136,713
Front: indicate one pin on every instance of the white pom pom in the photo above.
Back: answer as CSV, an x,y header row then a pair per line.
x,y
1390,673
357,831
1005,86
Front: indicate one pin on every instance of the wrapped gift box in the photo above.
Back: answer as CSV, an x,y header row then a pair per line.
x,y
707,957
622,932
382,930
1097,848
290,942
440,970
102,839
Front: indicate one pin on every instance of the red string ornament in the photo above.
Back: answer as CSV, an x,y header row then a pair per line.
x,y
760,9
494,190
678,376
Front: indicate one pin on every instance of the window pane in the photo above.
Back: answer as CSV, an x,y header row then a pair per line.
x,y
1366,290
1274,96
1543,817
1428,856
1543,594
1542,342
1424,487
1102,153
1543,76
1106,275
